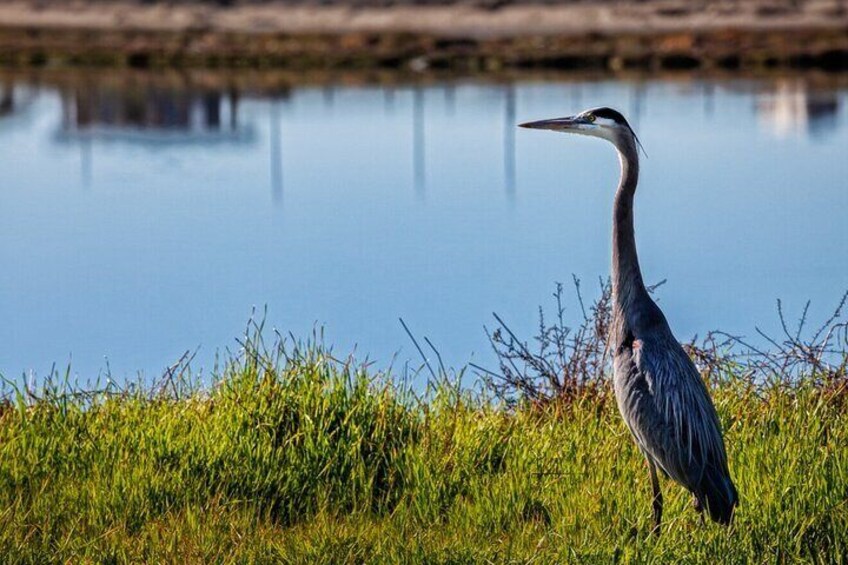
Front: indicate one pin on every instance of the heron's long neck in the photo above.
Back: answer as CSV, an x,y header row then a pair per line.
x,y
627,283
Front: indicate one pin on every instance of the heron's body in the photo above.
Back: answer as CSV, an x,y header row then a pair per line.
x,y
659,392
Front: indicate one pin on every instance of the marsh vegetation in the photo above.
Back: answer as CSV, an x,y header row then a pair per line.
x,y
294,455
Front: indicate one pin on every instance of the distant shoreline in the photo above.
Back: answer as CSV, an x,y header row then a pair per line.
x,y
644,35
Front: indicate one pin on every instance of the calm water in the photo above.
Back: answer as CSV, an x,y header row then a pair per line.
x,y
140,219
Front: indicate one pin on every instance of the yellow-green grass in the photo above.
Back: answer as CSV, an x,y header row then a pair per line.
x,y
306,460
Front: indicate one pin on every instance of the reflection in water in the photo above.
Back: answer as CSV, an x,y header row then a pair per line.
x,y
234,104
418,141
152,114
820,112
329,92
276,153
15,99
637,102
7,99
793,109
389,100
576,96
709,99
509,140
85,161
450,99
183,113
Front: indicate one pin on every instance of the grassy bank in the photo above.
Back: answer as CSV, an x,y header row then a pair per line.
x,y
294,457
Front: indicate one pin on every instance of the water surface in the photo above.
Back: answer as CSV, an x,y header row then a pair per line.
x,y
143,217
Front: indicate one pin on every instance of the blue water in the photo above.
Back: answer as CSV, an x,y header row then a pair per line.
x,y
140,222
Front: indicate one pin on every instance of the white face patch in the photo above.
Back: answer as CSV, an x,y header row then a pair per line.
x,y
606,122
605,128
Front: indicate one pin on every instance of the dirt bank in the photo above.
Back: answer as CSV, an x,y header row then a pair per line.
x,y
650,34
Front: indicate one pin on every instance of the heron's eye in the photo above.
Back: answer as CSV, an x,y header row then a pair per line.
x,y
590,118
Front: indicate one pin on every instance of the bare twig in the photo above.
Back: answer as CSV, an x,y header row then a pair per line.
x,y
571,362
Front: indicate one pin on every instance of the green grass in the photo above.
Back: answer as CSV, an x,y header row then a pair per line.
x,y
302,459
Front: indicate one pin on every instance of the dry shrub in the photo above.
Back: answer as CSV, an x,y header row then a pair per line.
x,y
566,363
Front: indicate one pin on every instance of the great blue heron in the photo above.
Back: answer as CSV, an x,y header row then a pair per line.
x,y
659,392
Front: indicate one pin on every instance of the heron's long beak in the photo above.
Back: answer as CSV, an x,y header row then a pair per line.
x,y
571,123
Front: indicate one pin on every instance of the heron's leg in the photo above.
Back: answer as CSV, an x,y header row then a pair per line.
x,y
658,498
699,508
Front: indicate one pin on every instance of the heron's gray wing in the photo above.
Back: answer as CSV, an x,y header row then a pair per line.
x,y
670,412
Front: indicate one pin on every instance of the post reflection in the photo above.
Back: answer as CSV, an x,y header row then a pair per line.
x,y
450,99
637,104
709,99
7,99
329,96
234,104
389,100
276,153
509,140
418,142
86,165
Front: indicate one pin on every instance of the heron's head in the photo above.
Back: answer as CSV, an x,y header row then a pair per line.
x,y
605,123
